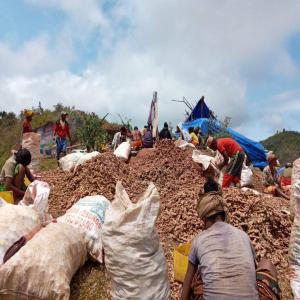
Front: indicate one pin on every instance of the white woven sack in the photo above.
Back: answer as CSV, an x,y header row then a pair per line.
x,y
202,159
246,176
295,189
36,196
133,255
44,267
294,257
88,216
15,222
68,162
86,157
218,159
31,141
123,151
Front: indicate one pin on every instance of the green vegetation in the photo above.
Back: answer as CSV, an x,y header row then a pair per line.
x,y
85,128
285,144
48,163
92,134
10,132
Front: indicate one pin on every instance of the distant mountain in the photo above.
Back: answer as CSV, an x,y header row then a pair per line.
x,y
286,145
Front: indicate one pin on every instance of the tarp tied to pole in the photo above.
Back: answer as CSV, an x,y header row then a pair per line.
x,y
201,110
202,117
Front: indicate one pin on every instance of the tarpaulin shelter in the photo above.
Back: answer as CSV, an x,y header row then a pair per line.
x,y
254,150
201,110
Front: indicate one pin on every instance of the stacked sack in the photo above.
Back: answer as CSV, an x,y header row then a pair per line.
x,y
294,249
133,255
38,259
31,141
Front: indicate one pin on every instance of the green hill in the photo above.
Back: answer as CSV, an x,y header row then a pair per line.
x,y
11,124
286,145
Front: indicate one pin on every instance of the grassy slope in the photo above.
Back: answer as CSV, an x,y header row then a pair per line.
x,y
286,145
10,128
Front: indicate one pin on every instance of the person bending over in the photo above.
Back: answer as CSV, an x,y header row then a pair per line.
x,y
230,149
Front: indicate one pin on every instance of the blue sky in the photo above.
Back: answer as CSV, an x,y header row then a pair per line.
x,y
109,56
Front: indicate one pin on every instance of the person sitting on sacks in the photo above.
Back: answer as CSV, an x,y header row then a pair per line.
x,y
119,138
148,140
193,137
136,138
13,174
165,132
286,178
270,181
197,131
222,260
230,149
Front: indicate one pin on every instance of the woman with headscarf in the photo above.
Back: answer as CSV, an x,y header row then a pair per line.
x,y
270,181
222,260
26,126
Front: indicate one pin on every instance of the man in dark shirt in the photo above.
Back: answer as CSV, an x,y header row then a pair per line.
x,y
165,132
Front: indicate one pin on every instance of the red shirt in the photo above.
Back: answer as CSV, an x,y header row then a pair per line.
x,y
27,127
61,131
228,145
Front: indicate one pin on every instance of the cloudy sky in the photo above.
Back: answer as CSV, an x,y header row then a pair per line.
x,y
109,56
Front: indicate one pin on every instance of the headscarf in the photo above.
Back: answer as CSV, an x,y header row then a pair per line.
x,y
271,156
210,204
28,112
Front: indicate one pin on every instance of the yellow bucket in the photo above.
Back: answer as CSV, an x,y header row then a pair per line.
x,y
181,261
7,196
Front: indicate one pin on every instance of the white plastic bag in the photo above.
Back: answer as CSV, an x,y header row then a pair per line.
x,y
184,145
15,222
133,254
123,151
202,159
68,162
295,189
88,216
31,141
246,176
86,157
36,196
44,267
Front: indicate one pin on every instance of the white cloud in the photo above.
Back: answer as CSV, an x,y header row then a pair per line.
x,y
190,49
35,57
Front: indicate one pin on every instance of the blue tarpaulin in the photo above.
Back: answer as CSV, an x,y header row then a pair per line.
x,y
201,110
254,150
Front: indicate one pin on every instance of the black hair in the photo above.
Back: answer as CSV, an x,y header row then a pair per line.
x,y
166,125
23,157
211,186
123,128
214,217
135,128
191,129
